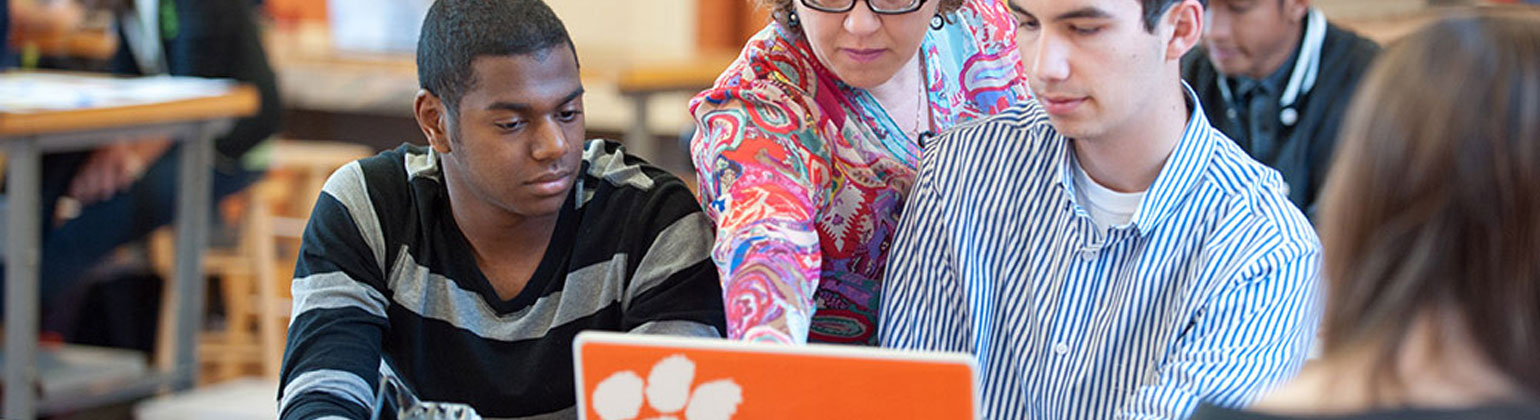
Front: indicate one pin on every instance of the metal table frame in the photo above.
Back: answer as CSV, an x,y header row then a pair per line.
x,y
23,243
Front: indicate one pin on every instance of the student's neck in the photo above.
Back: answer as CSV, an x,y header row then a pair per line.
x,y
508,247
1438,366
499,231
1129,158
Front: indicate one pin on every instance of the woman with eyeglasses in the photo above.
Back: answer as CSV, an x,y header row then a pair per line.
x,y
808,144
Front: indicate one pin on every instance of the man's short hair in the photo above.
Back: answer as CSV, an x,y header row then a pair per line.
x,y
1154,9
457,31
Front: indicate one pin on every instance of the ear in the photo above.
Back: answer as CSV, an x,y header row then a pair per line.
x,y
433,118
1296,10
1185,23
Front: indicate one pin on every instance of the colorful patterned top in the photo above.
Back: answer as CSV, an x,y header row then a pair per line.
x,y
805,176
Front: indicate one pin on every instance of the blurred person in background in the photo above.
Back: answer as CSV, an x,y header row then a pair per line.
x,y
1276,77
807,145
1430,235
34,18
127,189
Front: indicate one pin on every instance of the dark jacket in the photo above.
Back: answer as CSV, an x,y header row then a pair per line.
x,y
1304,152
5,33
218,39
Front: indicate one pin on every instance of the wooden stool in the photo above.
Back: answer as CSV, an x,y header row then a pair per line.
x,y
255,277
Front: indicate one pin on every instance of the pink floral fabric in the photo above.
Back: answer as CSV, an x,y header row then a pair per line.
x,y
805,177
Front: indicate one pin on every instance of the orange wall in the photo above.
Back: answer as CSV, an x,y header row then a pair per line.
x,y
727,24
296,10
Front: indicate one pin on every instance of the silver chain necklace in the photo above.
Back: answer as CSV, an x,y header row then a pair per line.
x,y
921,118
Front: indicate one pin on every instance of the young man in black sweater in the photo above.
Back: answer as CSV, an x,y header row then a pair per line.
x,y
459,273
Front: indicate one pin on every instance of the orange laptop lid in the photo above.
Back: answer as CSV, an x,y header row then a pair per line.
x,y
630,376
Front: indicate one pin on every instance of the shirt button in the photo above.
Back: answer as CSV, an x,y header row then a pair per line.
x,y
1061,348
1088,254
1289,116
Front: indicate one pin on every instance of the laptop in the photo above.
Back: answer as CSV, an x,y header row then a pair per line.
x,y
633,376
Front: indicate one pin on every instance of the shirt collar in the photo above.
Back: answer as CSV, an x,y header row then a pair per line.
x,y
1178,175
1182,170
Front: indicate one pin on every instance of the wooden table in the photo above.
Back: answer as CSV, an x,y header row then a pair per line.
x,y
641,81
55,112
314,75
95,45
1386,29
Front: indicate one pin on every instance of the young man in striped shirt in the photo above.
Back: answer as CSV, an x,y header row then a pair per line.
x,y
1103,251
459,274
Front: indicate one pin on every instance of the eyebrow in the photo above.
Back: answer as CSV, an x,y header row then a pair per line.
x,y
523,107
1018,9
1082,13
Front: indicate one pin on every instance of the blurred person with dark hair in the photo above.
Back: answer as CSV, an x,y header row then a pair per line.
x,y
1275,76
457,275
1430,235
128,189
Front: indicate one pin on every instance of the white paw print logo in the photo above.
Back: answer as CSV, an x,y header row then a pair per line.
x,y
667,392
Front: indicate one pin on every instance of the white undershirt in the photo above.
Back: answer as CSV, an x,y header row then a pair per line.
x,y
1108,208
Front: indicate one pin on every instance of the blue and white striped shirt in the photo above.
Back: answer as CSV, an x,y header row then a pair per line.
x,y
1210,294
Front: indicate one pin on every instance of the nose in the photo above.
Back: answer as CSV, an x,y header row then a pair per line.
x,y
1218,26
861,20
1049,60
550,142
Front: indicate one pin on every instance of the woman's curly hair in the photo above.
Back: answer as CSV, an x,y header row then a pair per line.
x,y
781,9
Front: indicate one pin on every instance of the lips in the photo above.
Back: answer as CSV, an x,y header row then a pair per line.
x,y
550,183
1061,104
863,55
1222,53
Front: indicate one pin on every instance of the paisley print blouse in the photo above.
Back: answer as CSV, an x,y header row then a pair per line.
x,y
805,176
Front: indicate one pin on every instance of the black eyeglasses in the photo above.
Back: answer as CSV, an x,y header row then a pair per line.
x,y
881,7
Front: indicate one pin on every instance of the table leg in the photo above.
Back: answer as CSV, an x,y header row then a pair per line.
x,y
638,138
192,221
23,240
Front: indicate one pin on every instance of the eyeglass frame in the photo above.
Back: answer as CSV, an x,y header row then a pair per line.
x,y
917,5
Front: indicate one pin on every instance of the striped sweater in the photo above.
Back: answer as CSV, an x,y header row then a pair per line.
x,y
386,282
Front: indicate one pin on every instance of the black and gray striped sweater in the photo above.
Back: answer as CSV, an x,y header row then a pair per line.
x,y
386,281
